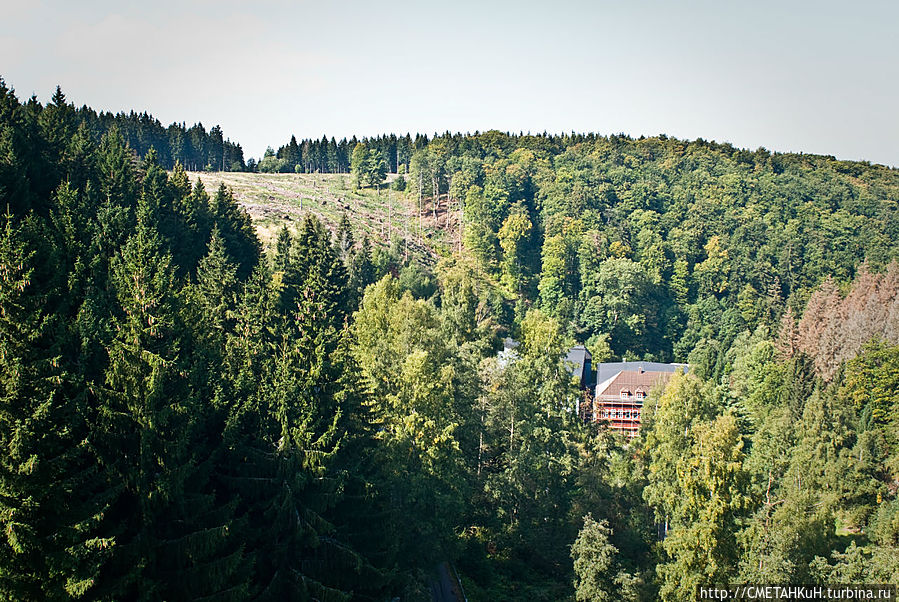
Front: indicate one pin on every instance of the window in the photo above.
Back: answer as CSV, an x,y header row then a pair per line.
x,y
640,394
625,394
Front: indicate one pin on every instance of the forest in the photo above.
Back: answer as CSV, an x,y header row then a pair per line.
x,y
187,415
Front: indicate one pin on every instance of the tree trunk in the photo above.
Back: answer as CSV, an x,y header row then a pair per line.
x,y
436,200
420,186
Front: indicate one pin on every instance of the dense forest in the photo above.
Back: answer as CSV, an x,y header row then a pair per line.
x,y
193,147
185,415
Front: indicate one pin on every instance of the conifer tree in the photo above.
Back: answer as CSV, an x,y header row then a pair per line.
x,y
172,535
343,240
282,260
281,394
209,310
362,271
50,548
190,220
57,125
80,158
236,229
14,186
315,270
115,169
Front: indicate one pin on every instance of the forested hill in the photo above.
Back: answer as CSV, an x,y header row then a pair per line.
x,y
194,147
646,248
187,415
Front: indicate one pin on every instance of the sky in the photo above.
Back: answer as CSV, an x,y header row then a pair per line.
x,y
793,76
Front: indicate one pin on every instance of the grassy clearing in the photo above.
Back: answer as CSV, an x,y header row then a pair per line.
x,y
274,200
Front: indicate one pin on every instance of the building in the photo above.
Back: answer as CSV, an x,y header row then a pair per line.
x,y
623,386
508,355
578,362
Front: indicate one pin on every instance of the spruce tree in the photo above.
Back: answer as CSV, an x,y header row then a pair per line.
x,y
316,271
281,391
115,166
209,315
172,532
362,271
15,189
48,512
57,126
236,229
281,258
344,242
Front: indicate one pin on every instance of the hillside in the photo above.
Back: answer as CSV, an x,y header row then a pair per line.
x,y
186,416
274,200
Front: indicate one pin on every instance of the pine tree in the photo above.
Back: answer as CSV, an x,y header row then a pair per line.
x,y
115,168
343,240
236,229
172,533
281,393
50,548
362,271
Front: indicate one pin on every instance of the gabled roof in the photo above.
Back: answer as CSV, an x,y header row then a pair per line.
x,y
607,370
631,380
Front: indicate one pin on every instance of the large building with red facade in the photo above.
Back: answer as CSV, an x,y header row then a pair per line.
x,y
621,388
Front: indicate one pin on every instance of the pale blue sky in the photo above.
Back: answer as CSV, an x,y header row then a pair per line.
x,y
818,77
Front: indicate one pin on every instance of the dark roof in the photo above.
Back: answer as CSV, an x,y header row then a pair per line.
x,y
576,358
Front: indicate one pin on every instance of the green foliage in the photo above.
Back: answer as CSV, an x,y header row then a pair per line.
x,y
595,563
513,237
51,542
272,164
367,167
701,546
411,374
236,229
558,279
871,384
183,418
